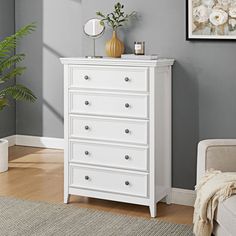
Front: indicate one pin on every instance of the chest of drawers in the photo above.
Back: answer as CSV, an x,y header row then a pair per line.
x,y
117,123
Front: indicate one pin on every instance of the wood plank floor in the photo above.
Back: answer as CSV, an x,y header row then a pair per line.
x,y
37,174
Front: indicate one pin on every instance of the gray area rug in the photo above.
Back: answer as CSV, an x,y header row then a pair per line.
x,y
24,218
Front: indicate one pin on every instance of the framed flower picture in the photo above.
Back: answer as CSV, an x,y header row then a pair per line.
x,y
211,19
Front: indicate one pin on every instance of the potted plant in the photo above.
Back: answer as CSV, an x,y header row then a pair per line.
x,y
115,20
8,71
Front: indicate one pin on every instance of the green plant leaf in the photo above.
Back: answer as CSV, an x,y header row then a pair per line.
x,y
100,14
18,92
9,70
3,103
116,18
8,45
10,62
13,73
123,20
102,23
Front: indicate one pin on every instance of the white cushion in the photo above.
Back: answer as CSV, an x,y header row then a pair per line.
x,y
220,231
226,215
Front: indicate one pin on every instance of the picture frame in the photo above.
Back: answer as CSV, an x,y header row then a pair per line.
x,y
211,20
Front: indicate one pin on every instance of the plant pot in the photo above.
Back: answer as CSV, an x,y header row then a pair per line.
x,y
3,155
114,47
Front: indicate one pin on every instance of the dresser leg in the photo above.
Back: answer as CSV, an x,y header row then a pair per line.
x,y
66,198
153,210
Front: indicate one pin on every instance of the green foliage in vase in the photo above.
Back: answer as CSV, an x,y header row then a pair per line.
x,y
117,18
9,69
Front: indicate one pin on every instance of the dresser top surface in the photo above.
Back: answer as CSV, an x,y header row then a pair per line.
x,y
116,61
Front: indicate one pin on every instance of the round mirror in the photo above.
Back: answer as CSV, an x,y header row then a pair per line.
x,y
93,28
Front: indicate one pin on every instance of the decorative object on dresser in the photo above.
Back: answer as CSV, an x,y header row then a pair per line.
x,y
93,29
118,129
139,48
114,47
140,57
211,19
116,19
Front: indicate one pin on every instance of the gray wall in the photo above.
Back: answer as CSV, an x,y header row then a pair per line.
x,y
7,26
58,35
204,80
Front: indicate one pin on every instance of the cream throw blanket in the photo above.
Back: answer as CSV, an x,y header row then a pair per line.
x,y
215,186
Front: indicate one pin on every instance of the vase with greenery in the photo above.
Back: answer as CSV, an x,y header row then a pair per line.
x,y
10,71
115,20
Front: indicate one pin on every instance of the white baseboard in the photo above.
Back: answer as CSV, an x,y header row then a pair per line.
x,y
42,142
183,196
179,196
35,141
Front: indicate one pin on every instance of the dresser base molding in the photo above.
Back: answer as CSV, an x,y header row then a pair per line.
x,y
114,197
108,196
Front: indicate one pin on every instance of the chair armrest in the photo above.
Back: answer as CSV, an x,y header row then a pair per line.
x,y
218,154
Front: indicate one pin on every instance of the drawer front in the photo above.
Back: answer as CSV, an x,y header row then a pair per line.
x,y
109,180
109,104
109,155
132,131
105,77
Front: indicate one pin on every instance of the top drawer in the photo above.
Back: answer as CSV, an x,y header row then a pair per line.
x,y
107,77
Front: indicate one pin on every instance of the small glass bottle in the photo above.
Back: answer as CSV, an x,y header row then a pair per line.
x,y
139,48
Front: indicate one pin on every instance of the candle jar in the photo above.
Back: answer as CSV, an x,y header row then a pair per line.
x,y
139,48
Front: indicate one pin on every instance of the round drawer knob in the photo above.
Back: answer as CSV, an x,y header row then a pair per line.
x,y
126,79
127,157
86,103
127,131
86,77
127,105
127,183
86,153
86,127
86,177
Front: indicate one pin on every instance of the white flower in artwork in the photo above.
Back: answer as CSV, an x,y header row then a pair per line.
x,y
232,12
196,3
233,3
201,14
224,2
232,22
218,17
208,3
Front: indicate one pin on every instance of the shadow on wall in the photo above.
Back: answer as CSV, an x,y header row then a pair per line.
x,y
60,39
55,37
29,116
58,113
185,125
54,111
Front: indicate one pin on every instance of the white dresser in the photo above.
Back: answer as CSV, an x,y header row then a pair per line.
x,y
118,129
